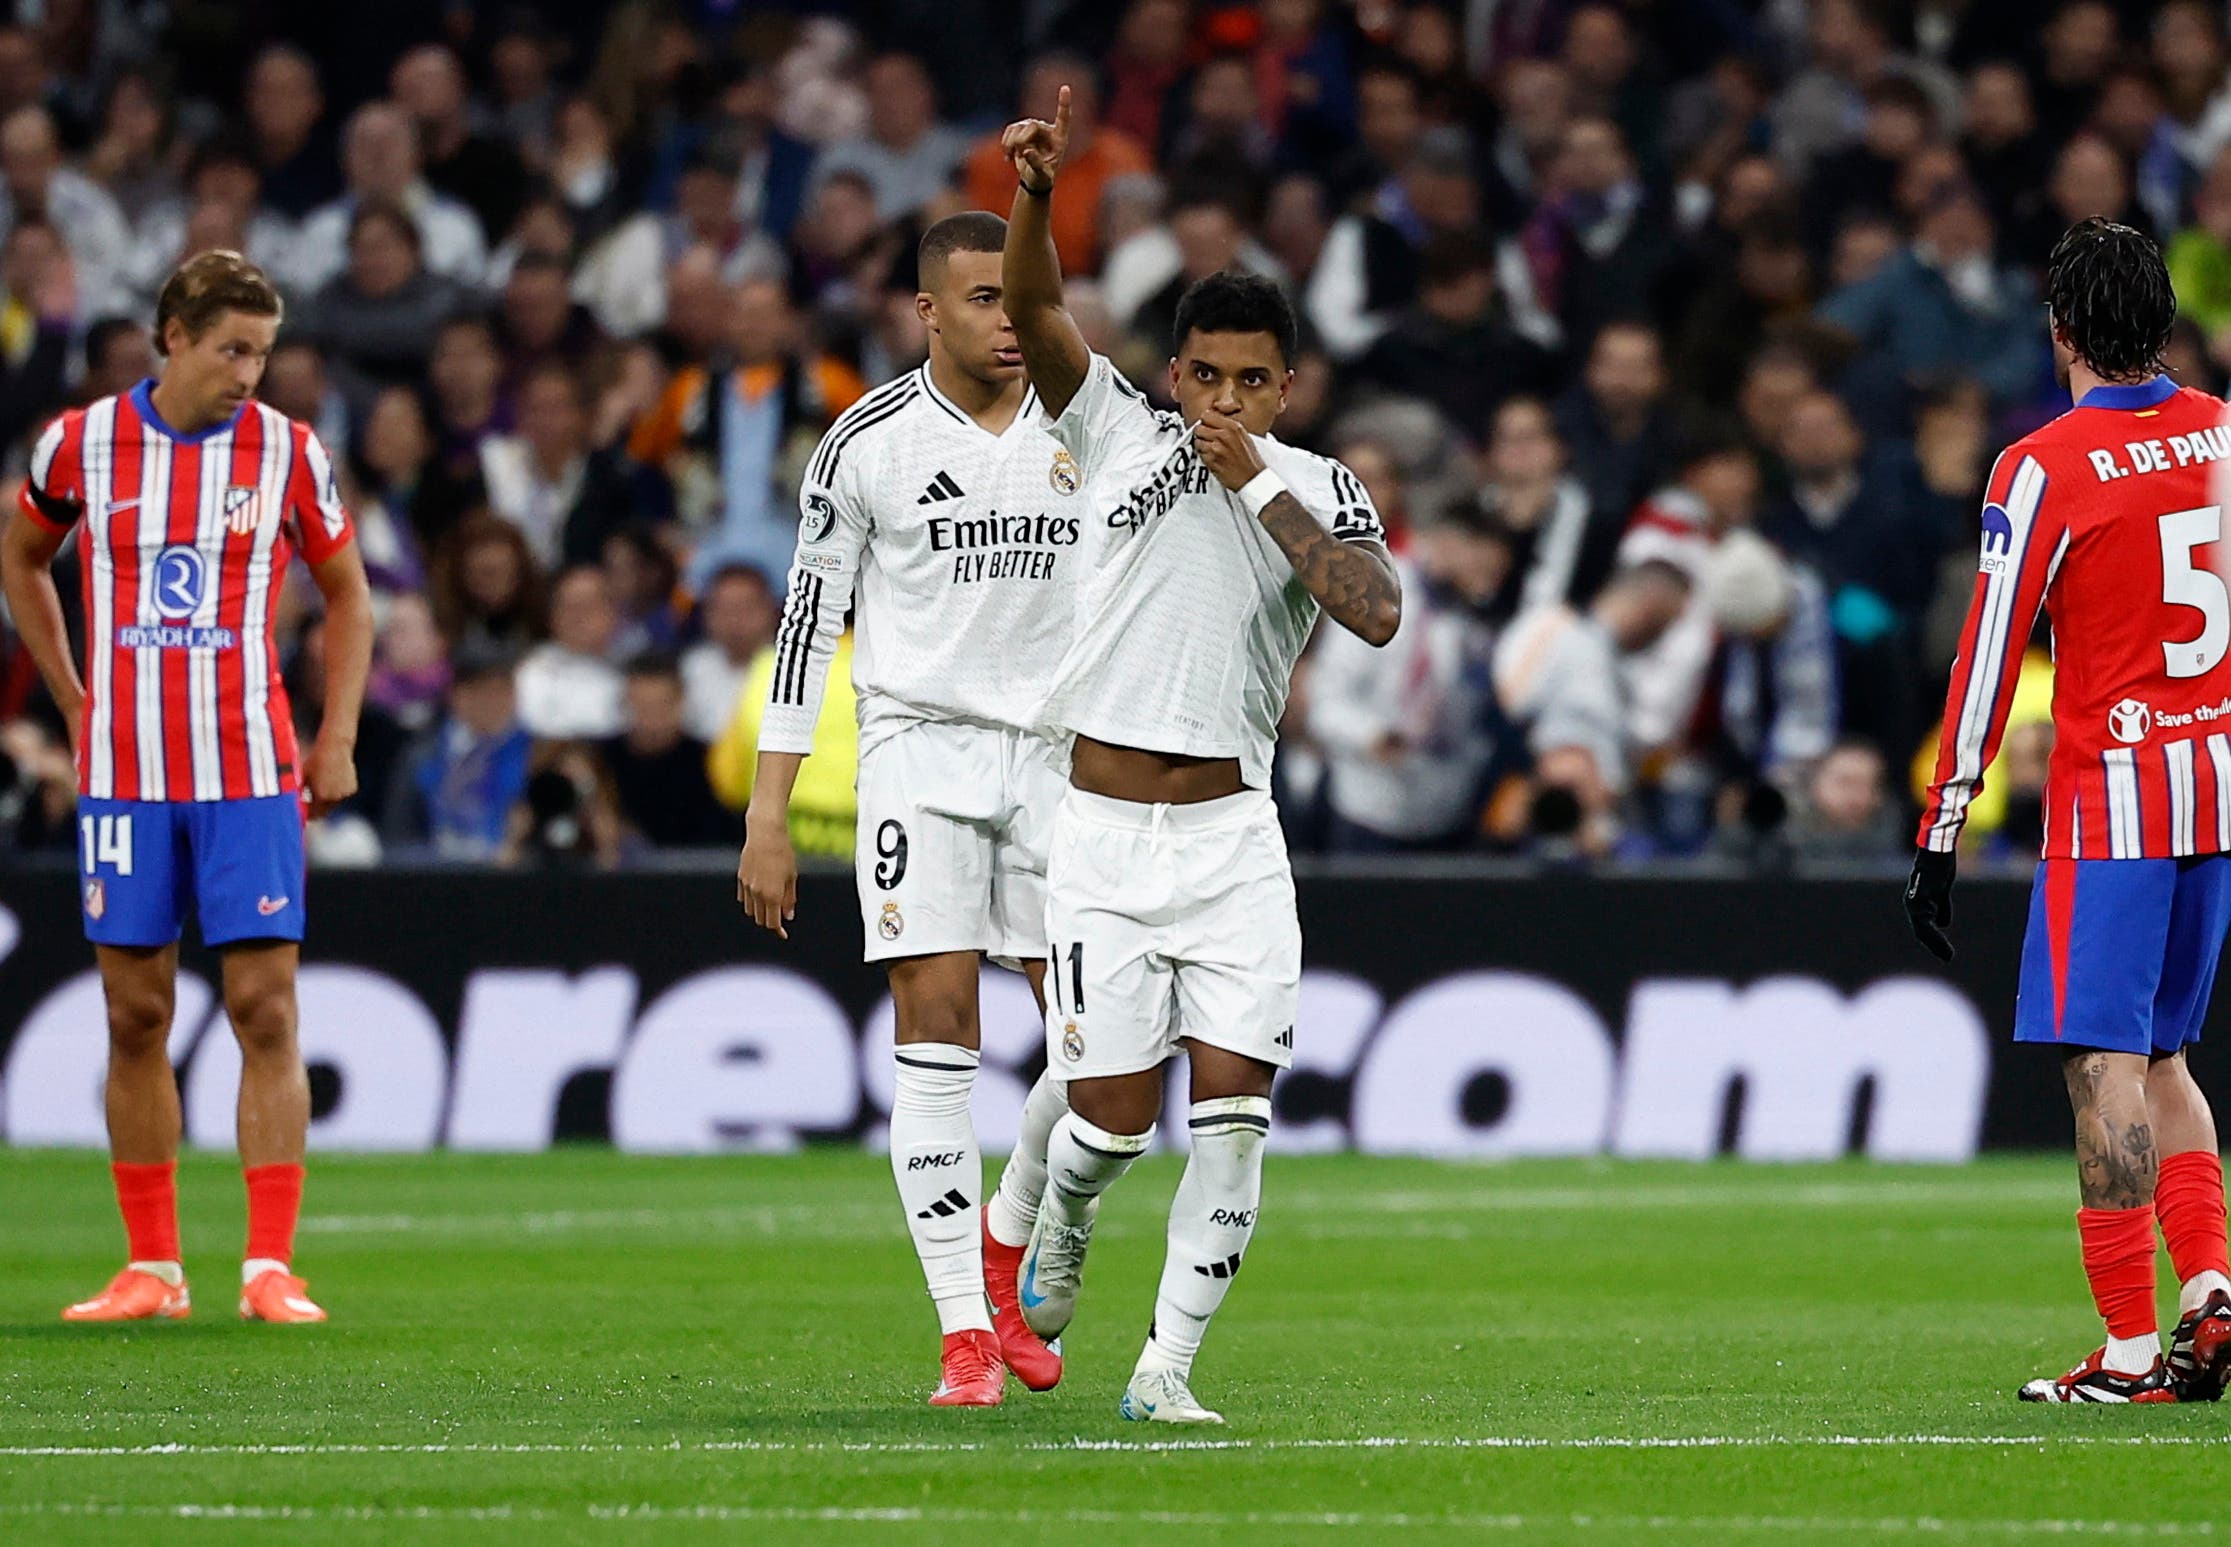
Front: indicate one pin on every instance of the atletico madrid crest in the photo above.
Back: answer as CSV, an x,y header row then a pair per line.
x,y
96,897
242,509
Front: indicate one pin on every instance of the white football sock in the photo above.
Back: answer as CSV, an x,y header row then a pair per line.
x,y
2132,1356
171,1273
1081,1160
1211,1220
941,1176
256,1267
2197,1288
1014,1206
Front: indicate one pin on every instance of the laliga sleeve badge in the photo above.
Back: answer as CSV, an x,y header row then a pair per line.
x,y
893,923
1072,1043
96,898
1064,475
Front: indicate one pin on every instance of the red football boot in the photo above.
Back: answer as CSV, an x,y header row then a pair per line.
x,y
2092,1381
1036,1363
974,1374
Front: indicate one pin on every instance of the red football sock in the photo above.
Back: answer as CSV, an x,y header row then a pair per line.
x,y
148,1197
2119,1260
2189,1200
274,1199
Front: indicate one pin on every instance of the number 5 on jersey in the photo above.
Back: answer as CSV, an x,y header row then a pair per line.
x,y
2185,584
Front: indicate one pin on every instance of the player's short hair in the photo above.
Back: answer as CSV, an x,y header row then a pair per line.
x,y
970,231
2110,298
208,285
1232,302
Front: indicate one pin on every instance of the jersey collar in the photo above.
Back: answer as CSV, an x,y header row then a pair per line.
x,y
143,403
2143,394
1024,415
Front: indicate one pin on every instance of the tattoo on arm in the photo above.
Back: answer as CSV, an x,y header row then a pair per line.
x,y
1354,582
2116,1161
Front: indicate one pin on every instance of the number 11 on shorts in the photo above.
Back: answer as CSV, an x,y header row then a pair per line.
x,y
1076,978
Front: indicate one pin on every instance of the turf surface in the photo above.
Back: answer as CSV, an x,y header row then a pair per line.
x,y
585,1347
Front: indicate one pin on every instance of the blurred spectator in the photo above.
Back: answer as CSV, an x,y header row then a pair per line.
x,y
1536,98
465,373
1408,732
1598,247
398,509
1144,66
1558,681
2024,759
378,317
2200,255
296,382
380,156
1370,266
1222,126
646,587
739,614
1767,291
1560,551
586,170
220,204
907,157
658,766
487,589
119,355
521,64
1205,234
2080,43
568,814
38,790
1097,153
480,172
1775,677
294,150
1943,305
2000,142
1452,347
569,687
546,479
1847,813
1848,49
36,184
1613,419
824,805
38,314
410,669
539,322
134,157
733,441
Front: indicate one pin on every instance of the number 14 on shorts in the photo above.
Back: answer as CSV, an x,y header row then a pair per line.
x,y
106,840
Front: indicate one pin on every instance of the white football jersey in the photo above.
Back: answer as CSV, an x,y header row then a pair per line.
x,y
1191,620
962,548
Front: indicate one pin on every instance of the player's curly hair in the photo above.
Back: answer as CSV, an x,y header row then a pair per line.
x,y
208,285
2111,299
1232,302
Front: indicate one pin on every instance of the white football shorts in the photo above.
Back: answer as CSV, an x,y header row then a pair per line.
x,y
951,849
1166,922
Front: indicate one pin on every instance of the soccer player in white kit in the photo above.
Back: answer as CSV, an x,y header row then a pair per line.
x,y
942,504
1170,902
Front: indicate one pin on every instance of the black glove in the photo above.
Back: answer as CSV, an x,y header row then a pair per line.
x,y
1929,900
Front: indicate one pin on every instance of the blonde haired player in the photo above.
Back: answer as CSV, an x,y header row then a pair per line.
x,y
188,499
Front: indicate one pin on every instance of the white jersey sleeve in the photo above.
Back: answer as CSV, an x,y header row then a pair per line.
x,y
1105,407
1328,491
833,531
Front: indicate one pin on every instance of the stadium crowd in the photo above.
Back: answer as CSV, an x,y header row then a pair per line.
x,y
1673,339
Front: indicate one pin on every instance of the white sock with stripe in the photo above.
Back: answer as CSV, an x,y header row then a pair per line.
x,y
1014,1207
1082,1161
1212,1218
941,1177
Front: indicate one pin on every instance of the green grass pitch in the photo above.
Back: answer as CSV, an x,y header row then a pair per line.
x,y
583,1347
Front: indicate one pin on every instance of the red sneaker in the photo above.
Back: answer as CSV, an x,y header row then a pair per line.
x,y
278,1297
2200,1351
134,1296
2092,1381
1036,1363
974,1373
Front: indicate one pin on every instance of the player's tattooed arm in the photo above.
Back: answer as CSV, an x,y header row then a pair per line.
x,y
1354,582
2116,1161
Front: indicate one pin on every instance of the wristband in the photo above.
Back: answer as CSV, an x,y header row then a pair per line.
x,y
1260,490
1046,192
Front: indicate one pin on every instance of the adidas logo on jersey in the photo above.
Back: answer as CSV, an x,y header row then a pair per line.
x,y
941,488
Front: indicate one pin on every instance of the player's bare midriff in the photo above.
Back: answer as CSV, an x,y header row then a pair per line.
x,y
1151,778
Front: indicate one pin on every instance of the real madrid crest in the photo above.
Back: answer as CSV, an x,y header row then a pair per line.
x,y
1064,475
893,923
1072,1043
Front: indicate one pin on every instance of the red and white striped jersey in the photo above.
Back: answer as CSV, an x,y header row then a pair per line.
x,y
2110,519
183,541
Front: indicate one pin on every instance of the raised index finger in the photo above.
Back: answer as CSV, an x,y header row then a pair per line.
x,y
1061,113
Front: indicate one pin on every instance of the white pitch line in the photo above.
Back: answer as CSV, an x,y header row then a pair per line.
x,y
1718,1525
1084,1444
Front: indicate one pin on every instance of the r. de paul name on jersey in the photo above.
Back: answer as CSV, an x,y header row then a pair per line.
x,y
997,547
